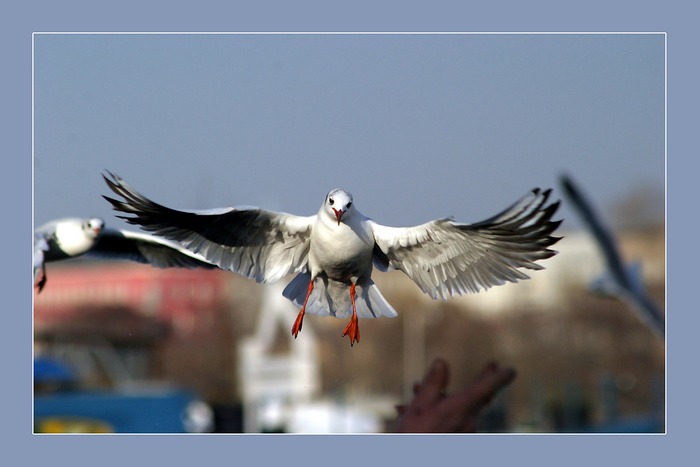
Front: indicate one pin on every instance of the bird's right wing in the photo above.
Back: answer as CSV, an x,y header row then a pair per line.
x,y
256,243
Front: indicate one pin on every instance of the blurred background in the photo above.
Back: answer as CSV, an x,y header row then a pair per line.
x,y
417,127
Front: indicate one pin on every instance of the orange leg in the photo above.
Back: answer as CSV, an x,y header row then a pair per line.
x,y
296,327
353,328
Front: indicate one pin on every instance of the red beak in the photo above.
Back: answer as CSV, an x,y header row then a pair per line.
x,y
338,214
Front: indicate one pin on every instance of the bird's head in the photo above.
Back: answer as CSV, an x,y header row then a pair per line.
x,y
93,227
338,204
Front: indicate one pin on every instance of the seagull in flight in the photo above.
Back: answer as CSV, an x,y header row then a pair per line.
x,y
72,237
620,280
333,252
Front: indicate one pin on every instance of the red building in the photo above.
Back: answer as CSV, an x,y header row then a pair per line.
x,y
144,323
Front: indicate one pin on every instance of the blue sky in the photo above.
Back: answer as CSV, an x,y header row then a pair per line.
x,y
416,126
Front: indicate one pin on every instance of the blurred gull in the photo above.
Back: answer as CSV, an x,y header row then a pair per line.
x,y
332,252
619,280
72,237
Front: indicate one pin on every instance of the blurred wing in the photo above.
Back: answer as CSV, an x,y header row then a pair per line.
x,y
627,281
259,244
648,311
604,238
144,248
446,258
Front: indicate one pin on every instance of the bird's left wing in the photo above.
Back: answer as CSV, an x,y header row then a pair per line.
x,y
145,248
446,258
256,243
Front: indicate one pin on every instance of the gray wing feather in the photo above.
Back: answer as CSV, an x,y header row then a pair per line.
x,y
446,258
147,249
256,243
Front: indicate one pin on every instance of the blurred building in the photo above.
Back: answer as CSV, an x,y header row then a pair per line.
x,y
584,362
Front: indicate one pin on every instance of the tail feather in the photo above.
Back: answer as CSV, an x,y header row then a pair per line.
x,y
331,298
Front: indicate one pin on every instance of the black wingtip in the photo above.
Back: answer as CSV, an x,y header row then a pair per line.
x,y
114,202
564,178
553,208
113,182
114,177
556,224
554,240
568,186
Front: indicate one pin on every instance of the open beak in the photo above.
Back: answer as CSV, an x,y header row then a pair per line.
x,y
338,214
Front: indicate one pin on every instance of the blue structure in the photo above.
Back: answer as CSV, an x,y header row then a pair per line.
x,y
156,411
65,409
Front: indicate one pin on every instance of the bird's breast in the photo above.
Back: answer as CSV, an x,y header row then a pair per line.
x,y
71,240
342,252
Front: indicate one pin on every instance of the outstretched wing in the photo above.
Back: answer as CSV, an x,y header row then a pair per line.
x,y
625,280
446,258
145,248
605,239
256,243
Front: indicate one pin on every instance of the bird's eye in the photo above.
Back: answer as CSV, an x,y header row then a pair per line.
x,y
331,201
350,204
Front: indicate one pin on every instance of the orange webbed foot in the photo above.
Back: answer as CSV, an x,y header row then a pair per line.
x,y
353,328
353,331
296,327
